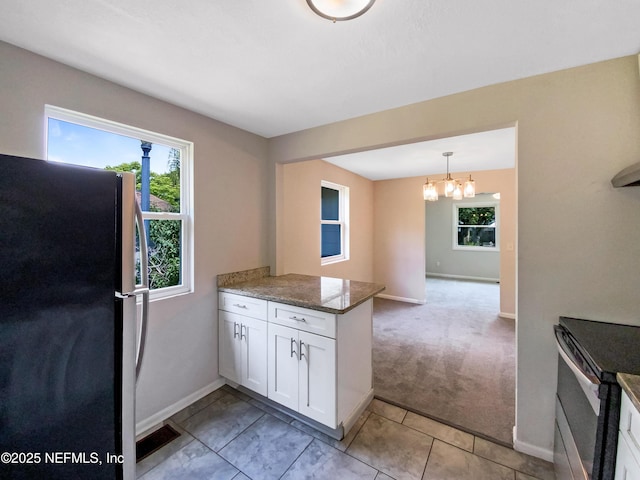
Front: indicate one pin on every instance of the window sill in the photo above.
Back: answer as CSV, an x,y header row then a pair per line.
x,y
476,249
336,259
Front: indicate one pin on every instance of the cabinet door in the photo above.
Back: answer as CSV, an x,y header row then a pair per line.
x,y
627,467
229,347
317,376
282,352
253,335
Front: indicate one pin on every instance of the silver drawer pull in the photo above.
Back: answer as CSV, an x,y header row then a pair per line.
x,y
240,306
298,319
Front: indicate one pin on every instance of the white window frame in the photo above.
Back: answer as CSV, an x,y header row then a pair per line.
x,y
454,236
343,220
186,184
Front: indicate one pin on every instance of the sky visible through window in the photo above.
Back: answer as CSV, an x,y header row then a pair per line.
x,y
80,145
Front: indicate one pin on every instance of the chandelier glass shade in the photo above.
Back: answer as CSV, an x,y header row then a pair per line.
x,y
453,187
339,10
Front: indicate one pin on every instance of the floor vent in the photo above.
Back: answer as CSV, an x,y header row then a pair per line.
x,y
155,441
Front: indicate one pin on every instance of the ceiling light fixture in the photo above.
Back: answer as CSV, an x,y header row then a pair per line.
x,y
453,187
339,10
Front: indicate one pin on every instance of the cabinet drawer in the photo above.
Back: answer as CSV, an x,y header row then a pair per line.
x,y
248,306
630,426
314,321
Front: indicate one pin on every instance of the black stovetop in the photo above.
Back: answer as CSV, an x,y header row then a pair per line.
x,y
612,348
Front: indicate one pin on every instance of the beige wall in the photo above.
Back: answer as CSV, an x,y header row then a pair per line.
x,y
301,221
230,207
398,229
576,248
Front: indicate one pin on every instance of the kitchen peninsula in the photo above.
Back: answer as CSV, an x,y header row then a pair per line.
x,y
300,342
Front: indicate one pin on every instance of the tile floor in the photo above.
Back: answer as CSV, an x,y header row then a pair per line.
x,y
228,435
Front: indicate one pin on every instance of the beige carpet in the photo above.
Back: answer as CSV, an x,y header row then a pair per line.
x,y
452,359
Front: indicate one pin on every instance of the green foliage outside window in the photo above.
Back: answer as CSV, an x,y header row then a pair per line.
x,y
164,235
164,253
476,227
476,215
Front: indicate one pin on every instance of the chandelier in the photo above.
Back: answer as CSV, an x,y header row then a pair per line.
x,y
338,10
453,187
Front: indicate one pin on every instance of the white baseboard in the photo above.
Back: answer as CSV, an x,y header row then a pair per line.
x,y
533,450
401,299
353,417
510,316
463,277
155,421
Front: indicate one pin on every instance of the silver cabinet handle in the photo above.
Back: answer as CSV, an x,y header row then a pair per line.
x,y
243,330
293,350
235,330
307,362
240,306
298,319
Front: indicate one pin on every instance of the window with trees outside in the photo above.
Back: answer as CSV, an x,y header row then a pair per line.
x,y
334,222
162,166
476,226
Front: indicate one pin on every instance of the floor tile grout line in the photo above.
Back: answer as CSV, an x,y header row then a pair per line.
x,y
299,455
441,439
424,470
358,431
443,422
347,447
488,459
205,406
201,442
193,439
217,454
499,463
239,433
372,466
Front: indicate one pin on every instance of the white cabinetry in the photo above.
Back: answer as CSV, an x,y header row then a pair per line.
x,y
315,363
628,457
243,341
320,363
302,372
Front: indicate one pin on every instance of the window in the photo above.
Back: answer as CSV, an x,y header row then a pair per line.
x,y
162,166
475,226
334,219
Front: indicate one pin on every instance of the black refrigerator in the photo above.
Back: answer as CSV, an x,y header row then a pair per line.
x,y
69,342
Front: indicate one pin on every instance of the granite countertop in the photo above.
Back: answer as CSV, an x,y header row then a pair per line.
x,y
326,294
631,384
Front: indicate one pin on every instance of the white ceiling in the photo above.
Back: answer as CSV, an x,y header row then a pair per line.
x,y
273,67
492,150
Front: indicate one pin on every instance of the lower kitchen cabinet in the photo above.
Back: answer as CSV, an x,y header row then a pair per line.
x,y
315,363
627,467
302,372
243,350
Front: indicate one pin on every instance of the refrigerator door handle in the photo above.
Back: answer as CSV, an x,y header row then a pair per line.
x,y
143,288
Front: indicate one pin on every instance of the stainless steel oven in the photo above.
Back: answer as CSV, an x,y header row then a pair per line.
x,y
590,354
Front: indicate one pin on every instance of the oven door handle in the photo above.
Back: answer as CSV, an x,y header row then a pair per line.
x,y
589,383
